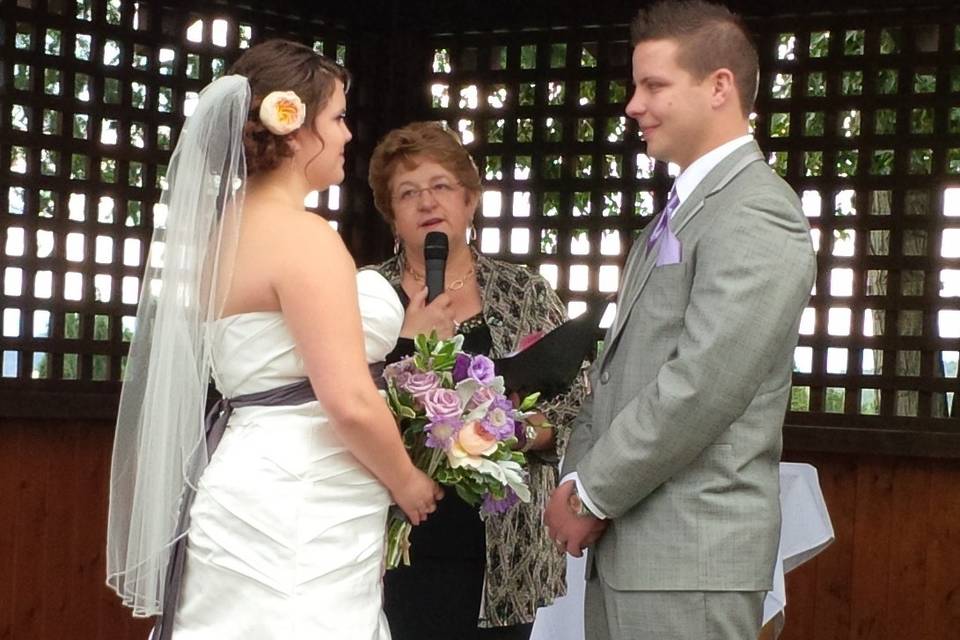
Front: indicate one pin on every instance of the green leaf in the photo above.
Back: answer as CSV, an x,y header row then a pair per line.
x,y
466,495
421,343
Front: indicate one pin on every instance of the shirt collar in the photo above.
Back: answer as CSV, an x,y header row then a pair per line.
x,y
687,181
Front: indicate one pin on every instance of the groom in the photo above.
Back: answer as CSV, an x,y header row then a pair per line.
x,y
672,466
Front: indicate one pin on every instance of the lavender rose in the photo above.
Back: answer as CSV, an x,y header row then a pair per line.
x,y
441,403
419,383
399,372
481,369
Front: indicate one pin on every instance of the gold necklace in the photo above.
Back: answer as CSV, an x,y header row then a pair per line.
x,y
453,286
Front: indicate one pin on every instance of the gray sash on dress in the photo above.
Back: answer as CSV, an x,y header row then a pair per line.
x,y
216,421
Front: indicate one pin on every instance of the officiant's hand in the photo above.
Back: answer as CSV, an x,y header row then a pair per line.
x,y
417,496
420,317
542,436
570,532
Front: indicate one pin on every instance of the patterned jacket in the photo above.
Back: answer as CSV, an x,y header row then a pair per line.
x,y
524,570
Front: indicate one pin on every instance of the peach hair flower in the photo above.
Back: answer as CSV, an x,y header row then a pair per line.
x,y
282,112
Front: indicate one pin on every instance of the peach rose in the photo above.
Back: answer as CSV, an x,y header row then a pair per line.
x,y
475,440
282,112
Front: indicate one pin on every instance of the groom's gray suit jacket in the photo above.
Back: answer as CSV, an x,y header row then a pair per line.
x,y
680,440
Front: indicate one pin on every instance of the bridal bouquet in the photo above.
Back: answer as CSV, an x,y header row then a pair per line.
x,y
459,428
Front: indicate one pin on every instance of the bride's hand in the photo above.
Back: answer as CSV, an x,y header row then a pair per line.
x,y
418,496
420,317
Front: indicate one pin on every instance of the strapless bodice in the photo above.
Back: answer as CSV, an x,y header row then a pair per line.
x,y
255,351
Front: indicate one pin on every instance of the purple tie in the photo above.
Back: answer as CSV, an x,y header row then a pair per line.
x,y
669,245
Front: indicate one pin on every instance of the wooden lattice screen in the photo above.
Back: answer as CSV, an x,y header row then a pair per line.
x,y
863,118
861,114
565,186
94,94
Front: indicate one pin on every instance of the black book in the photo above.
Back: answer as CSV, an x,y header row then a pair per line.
x,y
552,363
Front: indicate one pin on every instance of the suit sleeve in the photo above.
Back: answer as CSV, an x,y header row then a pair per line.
x,y
753,271
580,436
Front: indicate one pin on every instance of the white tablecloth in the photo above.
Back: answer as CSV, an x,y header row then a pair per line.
x,y
805,532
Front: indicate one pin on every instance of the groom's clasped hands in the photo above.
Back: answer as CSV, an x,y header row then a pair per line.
x,y
570,532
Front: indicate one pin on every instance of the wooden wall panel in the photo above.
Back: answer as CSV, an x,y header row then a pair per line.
x,y
53,514
942,602
88,542
908,551
802,596
9,477
871,531
891,574
27,540
61,519
834,585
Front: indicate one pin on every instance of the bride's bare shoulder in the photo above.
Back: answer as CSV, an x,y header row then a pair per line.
x,y
288,225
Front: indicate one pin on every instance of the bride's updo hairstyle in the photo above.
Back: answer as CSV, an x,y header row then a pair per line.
x,y
282,65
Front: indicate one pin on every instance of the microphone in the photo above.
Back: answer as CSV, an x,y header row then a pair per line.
x,y
435,249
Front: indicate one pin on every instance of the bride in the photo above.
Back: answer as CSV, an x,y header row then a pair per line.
x,y
269,524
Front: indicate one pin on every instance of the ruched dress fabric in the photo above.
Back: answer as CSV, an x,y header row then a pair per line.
x,y
286,536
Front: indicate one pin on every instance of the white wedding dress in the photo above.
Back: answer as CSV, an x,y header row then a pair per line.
x,y
286,536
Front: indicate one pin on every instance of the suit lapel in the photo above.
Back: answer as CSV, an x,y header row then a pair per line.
x,y
739,160
641,265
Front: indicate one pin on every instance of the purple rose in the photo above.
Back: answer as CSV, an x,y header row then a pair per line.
x,y
461,368
421,382
399,372
499,420
481,369
520,432
442,432
497,506
441,403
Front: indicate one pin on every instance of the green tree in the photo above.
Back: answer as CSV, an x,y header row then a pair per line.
x,y
800,399
71,330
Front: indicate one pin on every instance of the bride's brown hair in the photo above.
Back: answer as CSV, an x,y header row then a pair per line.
x,y
282,65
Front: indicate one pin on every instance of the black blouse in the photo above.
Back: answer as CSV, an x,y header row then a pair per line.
x,y
455,529
476,335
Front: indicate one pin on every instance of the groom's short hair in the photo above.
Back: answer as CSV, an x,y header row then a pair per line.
x,y
710,37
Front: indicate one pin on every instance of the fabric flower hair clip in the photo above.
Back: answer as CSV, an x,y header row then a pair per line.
x,y
282,112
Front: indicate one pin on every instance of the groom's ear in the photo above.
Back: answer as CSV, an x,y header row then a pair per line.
x,y
723,87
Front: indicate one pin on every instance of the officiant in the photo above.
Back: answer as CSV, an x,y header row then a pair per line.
x,y
469,578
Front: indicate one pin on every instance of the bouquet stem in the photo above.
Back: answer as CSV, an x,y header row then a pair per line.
x,y
398,540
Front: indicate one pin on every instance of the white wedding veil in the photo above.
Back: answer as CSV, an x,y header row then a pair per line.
x,y
159,448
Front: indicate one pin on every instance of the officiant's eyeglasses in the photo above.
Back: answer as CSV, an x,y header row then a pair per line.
x,y
439,190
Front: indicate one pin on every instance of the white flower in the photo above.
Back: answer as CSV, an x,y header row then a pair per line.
x,y
282,112
513,473
506,472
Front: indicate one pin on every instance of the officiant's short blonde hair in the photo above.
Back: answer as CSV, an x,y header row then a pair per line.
x,y
408,146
